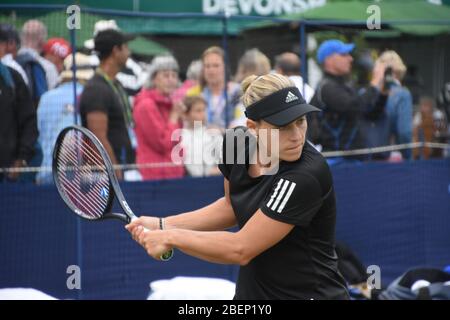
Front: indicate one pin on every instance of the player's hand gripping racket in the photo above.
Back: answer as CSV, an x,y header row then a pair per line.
x,y
85,178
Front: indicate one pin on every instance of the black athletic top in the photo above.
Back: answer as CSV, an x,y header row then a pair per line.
x,y
303,265
98,95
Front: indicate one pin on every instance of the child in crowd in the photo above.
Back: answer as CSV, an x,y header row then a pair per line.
x,y
199,143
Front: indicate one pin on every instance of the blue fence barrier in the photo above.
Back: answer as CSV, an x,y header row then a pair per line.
x,y
395,216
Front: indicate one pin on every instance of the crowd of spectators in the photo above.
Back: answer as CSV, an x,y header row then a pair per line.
x,y
144,114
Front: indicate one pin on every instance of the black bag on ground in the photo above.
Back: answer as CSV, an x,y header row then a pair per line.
x,y
419,284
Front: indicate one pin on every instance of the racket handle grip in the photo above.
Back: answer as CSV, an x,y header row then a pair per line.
x,y
166,256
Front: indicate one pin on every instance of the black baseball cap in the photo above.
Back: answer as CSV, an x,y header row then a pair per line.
x,y
3,36
105,40
9,33
280,108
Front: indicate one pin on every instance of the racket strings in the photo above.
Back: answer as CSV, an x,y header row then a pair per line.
x,y
86,201
91,170
83,175
85,179
86,168
77,198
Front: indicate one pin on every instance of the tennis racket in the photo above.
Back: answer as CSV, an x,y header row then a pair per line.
x,y
85,178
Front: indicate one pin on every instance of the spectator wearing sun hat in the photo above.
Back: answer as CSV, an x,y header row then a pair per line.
x,y
57,109
56,50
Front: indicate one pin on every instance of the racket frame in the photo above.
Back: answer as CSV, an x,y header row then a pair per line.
x,y
112,181
113,184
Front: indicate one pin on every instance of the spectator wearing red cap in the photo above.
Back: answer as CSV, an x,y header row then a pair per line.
x,y
56,50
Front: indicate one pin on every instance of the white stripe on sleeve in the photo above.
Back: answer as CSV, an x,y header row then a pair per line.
x,y
280,195
274,194
286,198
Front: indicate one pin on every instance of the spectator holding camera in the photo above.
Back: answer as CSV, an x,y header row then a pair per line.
x,y
338,126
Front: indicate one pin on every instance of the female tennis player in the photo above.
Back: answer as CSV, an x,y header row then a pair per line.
x,y
285,243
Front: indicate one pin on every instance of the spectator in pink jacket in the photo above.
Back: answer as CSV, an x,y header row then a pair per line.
x,y
156,118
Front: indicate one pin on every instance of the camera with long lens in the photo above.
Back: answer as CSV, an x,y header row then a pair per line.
x,y
389,79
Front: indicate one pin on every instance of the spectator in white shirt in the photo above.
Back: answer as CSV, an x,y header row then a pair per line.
x,y
197,141
288,64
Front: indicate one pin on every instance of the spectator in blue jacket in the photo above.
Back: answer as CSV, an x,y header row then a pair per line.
x,y
399,106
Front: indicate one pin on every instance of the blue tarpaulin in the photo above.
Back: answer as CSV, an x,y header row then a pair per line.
x,y
395,216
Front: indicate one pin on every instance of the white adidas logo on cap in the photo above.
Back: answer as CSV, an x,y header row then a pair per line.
x,y
291,97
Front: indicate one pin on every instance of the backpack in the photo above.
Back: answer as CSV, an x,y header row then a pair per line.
x,y
350,265
419,284
36,74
